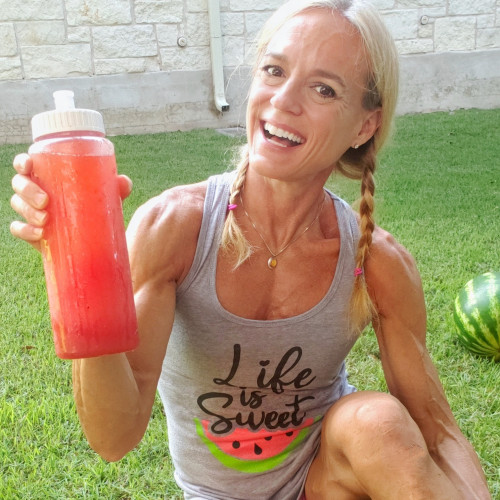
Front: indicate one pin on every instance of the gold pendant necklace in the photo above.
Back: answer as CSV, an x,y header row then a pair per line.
x,y
272,262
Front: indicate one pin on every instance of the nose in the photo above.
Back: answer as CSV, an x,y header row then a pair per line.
x,y
287,98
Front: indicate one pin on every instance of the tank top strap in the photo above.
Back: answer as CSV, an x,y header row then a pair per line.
x,y
214,214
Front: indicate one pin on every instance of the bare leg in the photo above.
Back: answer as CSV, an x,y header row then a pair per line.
x,y
372,449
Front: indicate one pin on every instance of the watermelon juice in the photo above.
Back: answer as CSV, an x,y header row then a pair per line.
x,y
84,248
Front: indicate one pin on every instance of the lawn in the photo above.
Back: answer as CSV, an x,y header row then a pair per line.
x,y
438,192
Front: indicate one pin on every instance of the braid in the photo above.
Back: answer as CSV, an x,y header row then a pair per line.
x,y
362,308
366,207
233,239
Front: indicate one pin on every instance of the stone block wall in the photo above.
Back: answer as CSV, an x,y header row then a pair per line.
x,y
146,64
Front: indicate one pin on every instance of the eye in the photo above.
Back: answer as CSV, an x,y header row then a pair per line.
x,y
325,91
271,70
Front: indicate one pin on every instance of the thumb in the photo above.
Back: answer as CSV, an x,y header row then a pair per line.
x,y
125,186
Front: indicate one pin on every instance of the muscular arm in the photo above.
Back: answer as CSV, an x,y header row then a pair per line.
x,y
395,287
115,394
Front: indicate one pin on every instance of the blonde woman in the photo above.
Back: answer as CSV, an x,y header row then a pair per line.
x,y
260,280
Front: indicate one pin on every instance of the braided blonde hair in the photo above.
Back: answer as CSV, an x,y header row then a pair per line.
x,y
380,92
233,240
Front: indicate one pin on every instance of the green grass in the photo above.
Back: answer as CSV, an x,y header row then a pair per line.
x,y
438,190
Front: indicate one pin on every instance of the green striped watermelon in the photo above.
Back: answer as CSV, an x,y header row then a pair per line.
x,y
477,315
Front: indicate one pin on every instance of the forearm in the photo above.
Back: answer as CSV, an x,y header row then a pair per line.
x,y
458,460
111,409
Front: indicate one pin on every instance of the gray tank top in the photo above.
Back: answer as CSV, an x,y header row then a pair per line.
x,y
244,398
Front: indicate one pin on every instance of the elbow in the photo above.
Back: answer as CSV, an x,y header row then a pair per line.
x,y
110,455
112,438
111,452
112,446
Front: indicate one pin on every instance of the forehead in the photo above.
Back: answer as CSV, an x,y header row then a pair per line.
x,y
321,38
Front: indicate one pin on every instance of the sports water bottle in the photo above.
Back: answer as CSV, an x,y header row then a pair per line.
x,y
84,250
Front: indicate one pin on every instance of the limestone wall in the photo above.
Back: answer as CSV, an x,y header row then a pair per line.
x,y
146,64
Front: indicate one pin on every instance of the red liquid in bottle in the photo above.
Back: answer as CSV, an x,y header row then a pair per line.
x,y
84,248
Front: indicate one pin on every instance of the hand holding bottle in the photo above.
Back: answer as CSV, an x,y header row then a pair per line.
x,y
30,201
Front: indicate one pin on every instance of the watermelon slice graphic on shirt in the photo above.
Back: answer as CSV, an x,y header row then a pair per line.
x,y
253,451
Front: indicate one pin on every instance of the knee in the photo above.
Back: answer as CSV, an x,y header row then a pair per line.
x,y
380,413
371,444
369,420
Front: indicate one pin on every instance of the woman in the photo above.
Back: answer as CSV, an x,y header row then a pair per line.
x,y
260,280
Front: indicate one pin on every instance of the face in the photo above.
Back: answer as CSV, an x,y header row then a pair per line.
x,y
305,104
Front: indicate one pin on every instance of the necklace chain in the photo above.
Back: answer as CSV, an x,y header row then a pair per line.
x,y
273,261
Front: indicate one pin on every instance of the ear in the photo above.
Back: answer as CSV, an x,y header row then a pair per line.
x,y
371,123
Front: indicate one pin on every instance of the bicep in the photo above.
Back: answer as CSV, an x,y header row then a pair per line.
x,y
162,238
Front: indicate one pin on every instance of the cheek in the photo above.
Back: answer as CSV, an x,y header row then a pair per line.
x,y
259,94
256,103
252,123
252,106
331,141
339,127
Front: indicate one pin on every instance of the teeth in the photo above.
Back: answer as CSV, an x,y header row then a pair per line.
x,y
278,132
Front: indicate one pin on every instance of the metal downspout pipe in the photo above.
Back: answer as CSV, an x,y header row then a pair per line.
x,y
216,53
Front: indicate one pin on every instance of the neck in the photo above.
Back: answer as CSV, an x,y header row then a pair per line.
x,y
280,211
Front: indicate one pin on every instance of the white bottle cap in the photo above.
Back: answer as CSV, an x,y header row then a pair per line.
x,y
66,118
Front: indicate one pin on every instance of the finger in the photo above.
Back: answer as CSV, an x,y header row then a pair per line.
x,y
125,186
29,191
27,232
32,215
23,164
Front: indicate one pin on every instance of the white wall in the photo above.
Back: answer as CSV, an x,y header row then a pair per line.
x,y
122,57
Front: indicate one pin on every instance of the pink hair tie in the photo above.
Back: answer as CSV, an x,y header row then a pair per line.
x,y
358,271
231,206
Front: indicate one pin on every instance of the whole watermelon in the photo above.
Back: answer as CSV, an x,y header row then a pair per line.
x,y
477,315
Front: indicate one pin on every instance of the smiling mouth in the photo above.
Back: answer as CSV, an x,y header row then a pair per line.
x,y
281,137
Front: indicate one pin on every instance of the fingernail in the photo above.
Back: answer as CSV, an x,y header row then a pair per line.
x,y
38,232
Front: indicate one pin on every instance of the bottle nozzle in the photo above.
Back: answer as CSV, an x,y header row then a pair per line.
x,y
66,118
64,99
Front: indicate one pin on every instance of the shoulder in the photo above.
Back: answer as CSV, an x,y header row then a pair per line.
x,y
163,233
387,252
178,204
392,276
